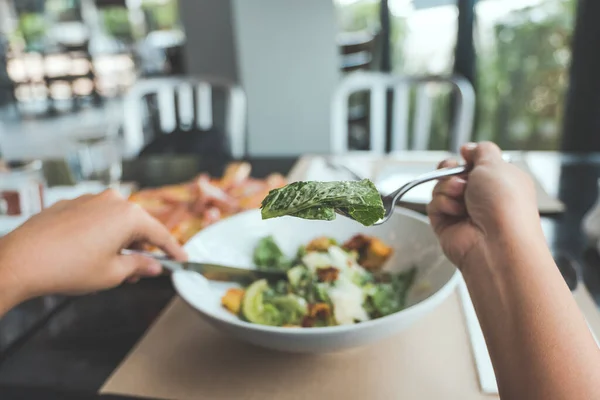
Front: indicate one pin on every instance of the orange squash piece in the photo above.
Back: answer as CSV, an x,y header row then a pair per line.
x,y
232,300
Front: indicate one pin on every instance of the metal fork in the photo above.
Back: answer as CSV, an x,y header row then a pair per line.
x,y
390,200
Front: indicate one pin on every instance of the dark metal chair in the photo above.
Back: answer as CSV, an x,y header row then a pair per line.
x,y
183,105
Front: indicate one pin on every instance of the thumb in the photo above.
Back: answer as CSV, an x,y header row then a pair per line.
x,y
138,265
480,153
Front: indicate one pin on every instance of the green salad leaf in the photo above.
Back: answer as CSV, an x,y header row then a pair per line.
x,y
402,282
255,309
320,200
296,275
301,252
267,306
385,300
390,297
268,255
291,308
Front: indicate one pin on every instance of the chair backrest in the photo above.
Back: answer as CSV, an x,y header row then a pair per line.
x,y
185,104
377,85
357,50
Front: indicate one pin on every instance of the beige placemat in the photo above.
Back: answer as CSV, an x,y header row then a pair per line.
x,y
182,357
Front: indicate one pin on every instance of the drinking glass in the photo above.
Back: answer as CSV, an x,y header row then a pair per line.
x,y
97,159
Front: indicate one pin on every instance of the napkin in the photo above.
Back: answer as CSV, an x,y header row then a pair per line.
x,y
485,370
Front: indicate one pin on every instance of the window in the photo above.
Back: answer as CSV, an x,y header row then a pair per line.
x,y
422,41
523,59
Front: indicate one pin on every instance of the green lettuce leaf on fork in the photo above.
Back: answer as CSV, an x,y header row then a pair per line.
x,y
320,200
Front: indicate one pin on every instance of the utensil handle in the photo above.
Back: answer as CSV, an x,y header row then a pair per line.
x,y
165,261
430,176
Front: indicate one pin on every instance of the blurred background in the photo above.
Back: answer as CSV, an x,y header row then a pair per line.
x,y
66,66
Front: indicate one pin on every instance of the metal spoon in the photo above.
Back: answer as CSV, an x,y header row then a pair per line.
x,y
390,200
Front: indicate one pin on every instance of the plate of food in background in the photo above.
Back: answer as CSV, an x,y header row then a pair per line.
x,y
187,208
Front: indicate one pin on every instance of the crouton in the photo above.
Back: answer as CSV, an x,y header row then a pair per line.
x,y
232,300
319,310
376,254
356,243
328,274
320,244
319,314
372,252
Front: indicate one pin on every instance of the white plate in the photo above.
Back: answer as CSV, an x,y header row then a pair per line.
x,y
231,242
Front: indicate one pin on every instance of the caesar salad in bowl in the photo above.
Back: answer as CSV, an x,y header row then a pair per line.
x,y
345,285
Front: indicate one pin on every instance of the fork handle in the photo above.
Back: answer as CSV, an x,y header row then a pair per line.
x,y
430,176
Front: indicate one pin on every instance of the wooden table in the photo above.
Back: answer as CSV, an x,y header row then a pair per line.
x,y
66,348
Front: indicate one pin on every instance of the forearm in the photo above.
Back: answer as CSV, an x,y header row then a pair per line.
x,y
8,297
6,303
538,340
11,293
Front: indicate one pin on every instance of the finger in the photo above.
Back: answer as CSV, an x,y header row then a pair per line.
x,y
478,153
449,163
150,230
453,187
83,198
442,204
64,204
112,194
445,207
136,278
131,266
137,246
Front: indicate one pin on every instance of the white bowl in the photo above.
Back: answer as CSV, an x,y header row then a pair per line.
x,y
232,241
